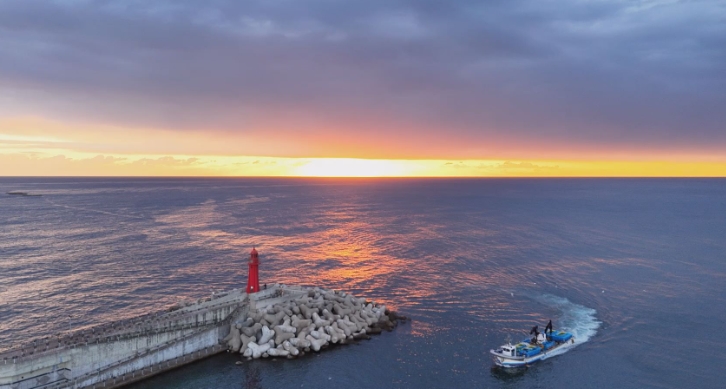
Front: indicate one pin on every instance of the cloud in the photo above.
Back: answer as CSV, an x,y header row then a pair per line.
x,y
84,164
509,166
100,165
517,165
166,162
457,165
467,79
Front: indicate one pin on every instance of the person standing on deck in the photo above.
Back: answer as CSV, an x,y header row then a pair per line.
x,y
549,327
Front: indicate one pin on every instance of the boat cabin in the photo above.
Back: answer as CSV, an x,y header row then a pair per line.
x,y
508,350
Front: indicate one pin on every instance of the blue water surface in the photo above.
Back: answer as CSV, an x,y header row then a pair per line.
x,y
636,268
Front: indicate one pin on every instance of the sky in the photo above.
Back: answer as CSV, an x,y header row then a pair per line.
x,y
370,88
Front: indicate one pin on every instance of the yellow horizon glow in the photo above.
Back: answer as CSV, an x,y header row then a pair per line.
x,y
352,167
39,147
81,164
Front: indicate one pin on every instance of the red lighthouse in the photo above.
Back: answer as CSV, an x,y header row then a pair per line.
x,y
253,280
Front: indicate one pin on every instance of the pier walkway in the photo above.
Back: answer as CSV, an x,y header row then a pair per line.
x,y
117,353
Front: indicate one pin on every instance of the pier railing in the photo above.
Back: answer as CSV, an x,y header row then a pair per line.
x,y
125,378
149,324
147,361
146,352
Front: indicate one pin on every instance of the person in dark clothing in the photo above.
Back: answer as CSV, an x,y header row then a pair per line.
x,y
549,327
534,331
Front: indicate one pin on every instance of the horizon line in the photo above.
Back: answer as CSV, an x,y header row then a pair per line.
x,y
353,177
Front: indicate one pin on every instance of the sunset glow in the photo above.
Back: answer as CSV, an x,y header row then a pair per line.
x,y
376,91
348,167
69,163
39,147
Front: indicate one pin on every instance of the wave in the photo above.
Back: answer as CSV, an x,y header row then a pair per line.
x,y
577,319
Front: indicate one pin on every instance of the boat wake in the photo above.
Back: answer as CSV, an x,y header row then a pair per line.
x,y
576,319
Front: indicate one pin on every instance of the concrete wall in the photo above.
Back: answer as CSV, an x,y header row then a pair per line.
x,y
277,294
139,347
118,353
153,359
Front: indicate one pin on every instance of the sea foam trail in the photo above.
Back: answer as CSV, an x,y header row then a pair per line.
x,y
579,320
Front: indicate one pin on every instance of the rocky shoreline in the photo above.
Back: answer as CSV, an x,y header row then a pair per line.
x,y
309,323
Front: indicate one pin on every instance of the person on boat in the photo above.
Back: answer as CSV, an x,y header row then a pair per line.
x,y
549,327
534,331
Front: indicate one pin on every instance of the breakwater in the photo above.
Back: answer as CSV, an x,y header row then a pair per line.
x,y
121,352
310,321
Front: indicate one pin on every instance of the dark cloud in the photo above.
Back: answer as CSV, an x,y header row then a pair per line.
x,y
644,74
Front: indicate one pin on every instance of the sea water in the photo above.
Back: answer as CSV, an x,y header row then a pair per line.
x,y
635,268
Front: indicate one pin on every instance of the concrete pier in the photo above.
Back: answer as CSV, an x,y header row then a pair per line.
x,y
117,353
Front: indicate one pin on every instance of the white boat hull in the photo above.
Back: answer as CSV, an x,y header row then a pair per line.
x,y
521,361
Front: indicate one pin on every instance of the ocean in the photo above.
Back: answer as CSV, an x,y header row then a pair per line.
x,y
635,268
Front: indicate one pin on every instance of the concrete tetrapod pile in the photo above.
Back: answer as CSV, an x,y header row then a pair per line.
x,y
310,322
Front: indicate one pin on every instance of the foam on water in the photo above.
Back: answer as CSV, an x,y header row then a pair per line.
x,y
576,319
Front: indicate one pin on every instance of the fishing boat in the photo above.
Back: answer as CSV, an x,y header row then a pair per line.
x,y
530,351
